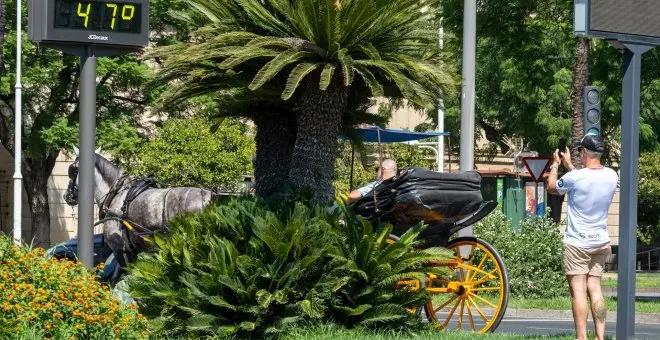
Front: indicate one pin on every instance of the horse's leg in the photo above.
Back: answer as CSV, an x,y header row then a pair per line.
x,y
112,232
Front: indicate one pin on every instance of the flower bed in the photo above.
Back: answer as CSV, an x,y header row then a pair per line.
x,y
58,298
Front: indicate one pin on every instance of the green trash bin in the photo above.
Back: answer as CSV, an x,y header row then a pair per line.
x,y
514,201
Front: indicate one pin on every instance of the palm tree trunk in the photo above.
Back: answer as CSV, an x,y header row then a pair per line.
x,y
580,79
318,117
36,171
276,135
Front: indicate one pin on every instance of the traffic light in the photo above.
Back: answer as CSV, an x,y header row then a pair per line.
x,y
592,112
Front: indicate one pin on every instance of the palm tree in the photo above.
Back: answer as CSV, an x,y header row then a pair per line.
x,y
309,57
580,79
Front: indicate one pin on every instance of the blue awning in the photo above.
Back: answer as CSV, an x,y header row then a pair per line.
x,y
370,134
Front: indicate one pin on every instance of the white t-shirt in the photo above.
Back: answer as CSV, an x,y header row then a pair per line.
x,y
590,193
367,188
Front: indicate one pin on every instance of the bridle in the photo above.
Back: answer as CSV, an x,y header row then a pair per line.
x,y
71,194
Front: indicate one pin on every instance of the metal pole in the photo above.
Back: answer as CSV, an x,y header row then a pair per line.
x,y
87,140
350,182
441,113
632,65
467,98
18,130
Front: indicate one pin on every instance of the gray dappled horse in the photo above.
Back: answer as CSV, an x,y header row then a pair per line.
x,y
146,209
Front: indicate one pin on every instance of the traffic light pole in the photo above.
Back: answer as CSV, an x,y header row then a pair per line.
x,y
87,139
632,66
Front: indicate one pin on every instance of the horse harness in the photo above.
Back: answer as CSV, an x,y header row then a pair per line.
x,y
137,187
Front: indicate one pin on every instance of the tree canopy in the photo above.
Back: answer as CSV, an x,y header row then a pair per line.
x,y
187,152
310,59
525,61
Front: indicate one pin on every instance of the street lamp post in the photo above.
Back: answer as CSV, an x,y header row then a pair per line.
x,y
18,130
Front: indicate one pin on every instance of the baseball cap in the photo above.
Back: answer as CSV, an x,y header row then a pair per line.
x,y
592,143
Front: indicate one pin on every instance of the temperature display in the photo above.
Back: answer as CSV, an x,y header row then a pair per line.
x,y
106,16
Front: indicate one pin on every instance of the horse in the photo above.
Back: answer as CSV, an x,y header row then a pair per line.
x,y
131,209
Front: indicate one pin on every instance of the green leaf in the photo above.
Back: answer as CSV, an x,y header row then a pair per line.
x,y
264,298
296,76
270,69
201,322
371,51
246,55
247,326
374,86
347,69
326,75
219,301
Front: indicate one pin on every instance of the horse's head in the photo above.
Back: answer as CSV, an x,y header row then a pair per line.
x,y
71,194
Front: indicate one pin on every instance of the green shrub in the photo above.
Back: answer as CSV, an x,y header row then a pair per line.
x,y
533,256
246,270
187,152
44,297
648,219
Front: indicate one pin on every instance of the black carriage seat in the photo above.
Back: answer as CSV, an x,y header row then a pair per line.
x,y
447,202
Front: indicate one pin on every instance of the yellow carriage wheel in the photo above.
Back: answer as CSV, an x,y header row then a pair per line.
x,y
475,299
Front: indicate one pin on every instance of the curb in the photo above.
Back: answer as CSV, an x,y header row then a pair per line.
x,y
645,318
638,291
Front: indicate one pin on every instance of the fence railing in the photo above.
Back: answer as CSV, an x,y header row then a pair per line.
x,y
647,259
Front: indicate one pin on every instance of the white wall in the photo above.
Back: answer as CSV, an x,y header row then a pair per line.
x,y
63,220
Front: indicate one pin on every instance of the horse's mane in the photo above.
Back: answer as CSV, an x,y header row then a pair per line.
x,y
108,171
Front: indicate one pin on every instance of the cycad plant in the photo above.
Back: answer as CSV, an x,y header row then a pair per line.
x,y
380,274
302,59
248,270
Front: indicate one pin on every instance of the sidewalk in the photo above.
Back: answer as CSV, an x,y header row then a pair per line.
x,y
645,318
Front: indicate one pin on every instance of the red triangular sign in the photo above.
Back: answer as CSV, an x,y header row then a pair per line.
x,y
536,166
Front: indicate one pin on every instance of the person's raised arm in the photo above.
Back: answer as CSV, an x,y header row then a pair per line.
x,y
552,177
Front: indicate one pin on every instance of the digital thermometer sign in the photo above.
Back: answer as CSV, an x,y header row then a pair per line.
x,y
109,16
91,22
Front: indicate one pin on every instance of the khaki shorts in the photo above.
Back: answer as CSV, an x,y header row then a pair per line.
x,y
585,261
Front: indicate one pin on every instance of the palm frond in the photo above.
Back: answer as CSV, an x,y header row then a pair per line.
x,y
270,69
326,75
296,76
347,69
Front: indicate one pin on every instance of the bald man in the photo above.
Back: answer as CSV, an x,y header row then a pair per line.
x,y
386,170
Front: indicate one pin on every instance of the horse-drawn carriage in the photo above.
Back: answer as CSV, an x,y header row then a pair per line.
x,y
476,297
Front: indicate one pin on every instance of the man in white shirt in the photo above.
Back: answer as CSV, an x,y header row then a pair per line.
x,y
385,171
586,242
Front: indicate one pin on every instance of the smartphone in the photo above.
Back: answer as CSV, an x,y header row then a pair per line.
x,y
562,147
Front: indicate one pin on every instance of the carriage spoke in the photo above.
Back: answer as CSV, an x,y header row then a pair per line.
x,y
478,310
445,304
485,288
460,315
485,277
470,314
444,325
479,267
484,300
477,271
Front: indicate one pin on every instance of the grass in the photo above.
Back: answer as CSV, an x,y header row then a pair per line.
x,y
564,303
329,332
642,280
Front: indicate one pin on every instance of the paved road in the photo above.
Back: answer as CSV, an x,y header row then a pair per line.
x,y
545,326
